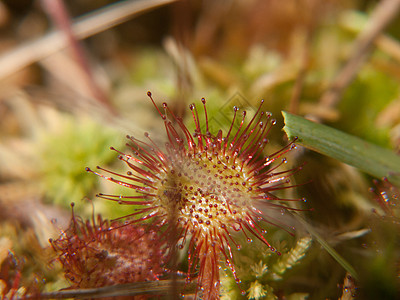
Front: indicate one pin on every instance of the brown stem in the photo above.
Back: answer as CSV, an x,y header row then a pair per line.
x,y
299,83
59,14
383,14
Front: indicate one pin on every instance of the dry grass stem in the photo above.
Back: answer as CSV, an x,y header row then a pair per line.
x,y
383,14
83,27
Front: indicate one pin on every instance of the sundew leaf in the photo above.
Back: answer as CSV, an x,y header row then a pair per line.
x,y
372,159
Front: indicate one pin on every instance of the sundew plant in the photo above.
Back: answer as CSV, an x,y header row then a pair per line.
x,y
263,164
204,186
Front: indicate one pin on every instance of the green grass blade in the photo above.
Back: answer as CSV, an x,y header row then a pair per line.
x,y
344,263
372,159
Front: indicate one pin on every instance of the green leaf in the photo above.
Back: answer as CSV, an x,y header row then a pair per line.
x,y
372,159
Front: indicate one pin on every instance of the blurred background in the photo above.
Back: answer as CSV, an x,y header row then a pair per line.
x,y
73,82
